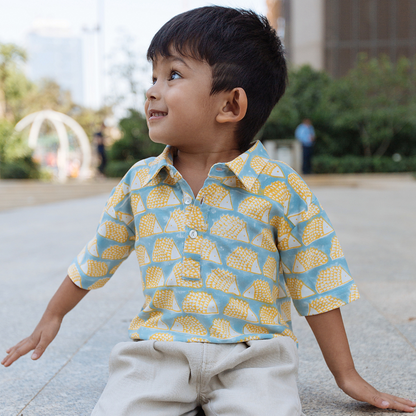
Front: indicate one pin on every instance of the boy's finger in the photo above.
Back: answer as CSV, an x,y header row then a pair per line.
x,y
392,402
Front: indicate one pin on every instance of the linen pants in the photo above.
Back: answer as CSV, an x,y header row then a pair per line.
x,y
154,378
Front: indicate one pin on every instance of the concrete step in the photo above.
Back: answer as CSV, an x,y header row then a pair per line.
x,y
23,193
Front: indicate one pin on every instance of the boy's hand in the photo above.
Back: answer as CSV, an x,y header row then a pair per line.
x,y
65,298
41,337
357,388
329,331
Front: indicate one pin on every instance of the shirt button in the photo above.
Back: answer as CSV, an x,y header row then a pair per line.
x,y
193,234
188,200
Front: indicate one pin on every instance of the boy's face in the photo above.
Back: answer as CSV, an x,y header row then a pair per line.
x,y
180,110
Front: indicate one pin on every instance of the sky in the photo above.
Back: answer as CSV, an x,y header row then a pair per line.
x,y
138,20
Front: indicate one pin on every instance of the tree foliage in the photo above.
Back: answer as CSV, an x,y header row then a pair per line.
x,y
370,112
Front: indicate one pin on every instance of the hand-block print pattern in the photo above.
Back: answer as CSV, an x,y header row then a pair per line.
x,y
225,265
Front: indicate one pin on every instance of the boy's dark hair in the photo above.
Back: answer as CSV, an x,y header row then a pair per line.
x,y
242,49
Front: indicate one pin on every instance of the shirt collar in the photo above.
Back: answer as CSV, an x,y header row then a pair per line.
x,y
246,167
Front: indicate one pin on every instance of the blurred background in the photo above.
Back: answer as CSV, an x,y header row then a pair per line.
x,y
73,77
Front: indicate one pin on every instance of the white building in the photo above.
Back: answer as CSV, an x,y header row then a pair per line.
x,y
55,53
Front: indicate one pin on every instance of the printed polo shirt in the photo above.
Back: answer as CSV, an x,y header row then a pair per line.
x,y
222,267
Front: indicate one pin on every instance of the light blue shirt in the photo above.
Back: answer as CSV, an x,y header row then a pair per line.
x,y
304,134
223,266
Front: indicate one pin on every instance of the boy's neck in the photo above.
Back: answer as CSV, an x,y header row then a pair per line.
x,y
194,164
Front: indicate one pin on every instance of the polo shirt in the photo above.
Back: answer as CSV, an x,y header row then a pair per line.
x,y
222,267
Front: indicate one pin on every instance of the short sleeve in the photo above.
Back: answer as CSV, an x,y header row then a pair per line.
x,y
112,244
312,261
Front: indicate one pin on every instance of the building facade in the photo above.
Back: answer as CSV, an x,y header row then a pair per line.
x,y
329,34
54,53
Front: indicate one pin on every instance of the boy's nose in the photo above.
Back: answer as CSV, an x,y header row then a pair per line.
x,y
152,93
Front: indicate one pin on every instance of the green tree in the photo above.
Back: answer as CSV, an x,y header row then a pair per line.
x,y
13,83
377,101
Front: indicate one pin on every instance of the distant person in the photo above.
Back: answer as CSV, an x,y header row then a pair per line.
x,y
225,239
305,133
99,140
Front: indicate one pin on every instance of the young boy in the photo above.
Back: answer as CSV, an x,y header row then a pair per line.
x,y
224,237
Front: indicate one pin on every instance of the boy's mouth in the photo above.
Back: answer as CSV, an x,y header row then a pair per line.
x,y
155,114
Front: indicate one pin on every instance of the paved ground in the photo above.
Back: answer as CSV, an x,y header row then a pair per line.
x,y
375,222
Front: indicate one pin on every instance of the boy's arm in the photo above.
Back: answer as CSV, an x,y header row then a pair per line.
x,y
66,297
329,331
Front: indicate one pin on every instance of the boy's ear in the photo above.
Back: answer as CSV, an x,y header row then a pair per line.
x,y
234,106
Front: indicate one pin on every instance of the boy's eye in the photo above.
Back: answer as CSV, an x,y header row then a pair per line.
x,y
174,75
154,81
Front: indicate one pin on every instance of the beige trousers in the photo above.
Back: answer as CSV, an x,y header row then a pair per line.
x,y
153,378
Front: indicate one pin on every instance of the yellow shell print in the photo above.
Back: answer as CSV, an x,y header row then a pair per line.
x,y
147,302
165,250
269,315
140,179
288,333
175,279
189,325
94,268
278,192
282,226
331,278
354,295
136,323
137,205
176,222
196,339
231,227
155,321
260,291
162,196
154,277
217,196
114,269
159,336
237,164
300,187
244,259
116,252
113,231
257,208
336,250
173,180
252,184
304,215
221,328
270,268
258,163
165,299
98,284
240,309
325,304
191,268
206,248
92,248
298,289
223,280
308,259
120,192
74,275
123,217
288,242
199,302
316,229
149,226
265,240
254,329
286,310
195,218
142,256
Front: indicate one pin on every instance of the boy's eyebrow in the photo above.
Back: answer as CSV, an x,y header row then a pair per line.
x,y
177,58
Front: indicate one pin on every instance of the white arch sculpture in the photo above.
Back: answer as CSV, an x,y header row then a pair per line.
x,y
59,120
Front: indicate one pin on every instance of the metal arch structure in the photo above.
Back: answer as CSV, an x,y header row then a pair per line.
x,y
59,120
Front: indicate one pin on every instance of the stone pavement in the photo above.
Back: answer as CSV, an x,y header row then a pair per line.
x,y
375,223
